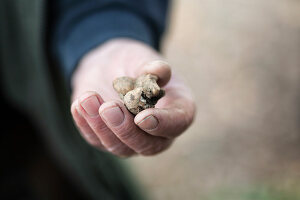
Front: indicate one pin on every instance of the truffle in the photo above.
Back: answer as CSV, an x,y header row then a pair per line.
x,y
138,94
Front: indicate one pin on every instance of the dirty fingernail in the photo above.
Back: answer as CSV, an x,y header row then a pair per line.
x,y
91,106
113,116
149,123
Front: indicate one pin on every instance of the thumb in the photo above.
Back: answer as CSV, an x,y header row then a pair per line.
x,y
159,68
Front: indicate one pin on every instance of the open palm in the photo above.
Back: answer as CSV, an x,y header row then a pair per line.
x,y
102,118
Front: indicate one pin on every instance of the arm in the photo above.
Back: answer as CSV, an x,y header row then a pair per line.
x,y
101,118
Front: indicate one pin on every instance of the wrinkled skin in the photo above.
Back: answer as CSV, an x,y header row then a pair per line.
x,y
101,117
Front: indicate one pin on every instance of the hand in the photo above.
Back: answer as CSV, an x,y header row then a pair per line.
x,y
104,121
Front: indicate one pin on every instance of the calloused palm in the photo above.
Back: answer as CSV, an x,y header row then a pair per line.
x,y
102,118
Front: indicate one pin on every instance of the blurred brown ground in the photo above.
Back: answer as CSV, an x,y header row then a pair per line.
x,y
242,60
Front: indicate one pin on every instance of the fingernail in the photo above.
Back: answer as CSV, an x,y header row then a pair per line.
x,y
91,106
113,115
149,123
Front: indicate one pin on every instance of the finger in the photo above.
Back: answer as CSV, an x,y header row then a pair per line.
x,y
120,121
159,68
85,130
89,104
167,122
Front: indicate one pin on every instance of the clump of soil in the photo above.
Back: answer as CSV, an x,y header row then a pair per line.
x,y
138,94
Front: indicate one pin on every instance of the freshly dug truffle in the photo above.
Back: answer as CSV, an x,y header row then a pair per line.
x,y
149,85
123,85
138,94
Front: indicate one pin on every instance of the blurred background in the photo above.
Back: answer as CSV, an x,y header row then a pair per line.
x,y
242,60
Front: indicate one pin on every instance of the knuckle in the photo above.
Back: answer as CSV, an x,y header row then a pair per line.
x,y
156,148
94,143
187,117
126,132
151,152
90,136
92,139
126,154
100,127
121,150
81,123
